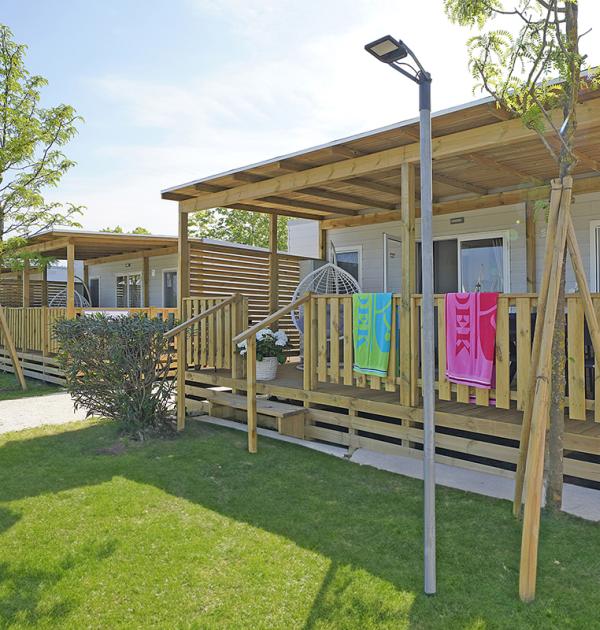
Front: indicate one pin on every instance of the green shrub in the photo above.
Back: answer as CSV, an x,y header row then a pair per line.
x,y
117,368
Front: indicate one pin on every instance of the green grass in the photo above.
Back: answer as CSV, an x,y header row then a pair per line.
x,y
196,533
10,388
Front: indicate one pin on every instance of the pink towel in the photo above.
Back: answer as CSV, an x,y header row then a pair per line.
x,y
471,338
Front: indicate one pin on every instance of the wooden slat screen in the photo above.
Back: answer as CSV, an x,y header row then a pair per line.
x,y
11,292
218,270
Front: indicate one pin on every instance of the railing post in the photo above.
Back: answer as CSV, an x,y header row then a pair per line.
x,y
183,291
45,332
251,393
307,346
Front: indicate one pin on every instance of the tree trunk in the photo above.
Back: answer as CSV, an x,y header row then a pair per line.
x,y
555,464
554,468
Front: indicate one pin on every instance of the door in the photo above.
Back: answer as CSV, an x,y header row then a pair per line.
x,y
392,272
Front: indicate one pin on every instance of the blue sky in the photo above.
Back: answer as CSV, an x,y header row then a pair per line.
x,y
174,90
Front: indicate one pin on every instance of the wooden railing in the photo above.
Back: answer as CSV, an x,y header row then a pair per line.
x,y
515,324
204,339
32,327
329,353
210,324
249,336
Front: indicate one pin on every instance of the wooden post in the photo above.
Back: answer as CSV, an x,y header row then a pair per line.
x,y
555,197
251,393
146,280
45,286
273,265
407,209
26,284
70,280
322,243
86,281
308,383
534,470
10,344
530,246
183,290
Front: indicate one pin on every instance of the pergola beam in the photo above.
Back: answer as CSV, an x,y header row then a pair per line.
x,y
363,202
506,133
142,253
45,246
492,200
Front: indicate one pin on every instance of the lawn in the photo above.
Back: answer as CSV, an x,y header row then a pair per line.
x,y
194,532
10,388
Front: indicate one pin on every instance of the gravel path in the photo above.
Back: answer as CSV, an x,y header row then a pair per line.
x,y
27,413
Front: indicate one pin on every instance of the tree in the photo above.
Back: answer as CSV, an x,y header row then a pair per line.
x,y
31,157
531,73
238,226
119,230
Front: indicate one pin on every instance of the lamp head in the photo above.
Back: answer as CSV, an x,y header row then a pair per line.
x,y
387,49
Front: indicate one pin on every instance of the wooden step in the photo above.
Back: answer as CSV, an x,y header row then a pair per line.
x,y
290,418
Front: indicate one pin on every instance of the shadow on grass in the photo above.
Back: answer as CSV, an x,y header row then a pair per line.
x,y
22,589
362,519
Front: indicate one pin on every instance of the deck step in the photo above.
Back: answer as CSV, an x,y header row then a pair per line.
x,y
290,418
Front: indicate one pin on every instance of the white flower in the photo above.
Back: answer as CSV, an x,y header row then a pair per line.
x,y
281,338
243,346
265,332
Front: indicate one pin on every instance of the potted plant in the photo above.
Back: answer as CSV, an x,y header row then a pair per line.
x,y
270,347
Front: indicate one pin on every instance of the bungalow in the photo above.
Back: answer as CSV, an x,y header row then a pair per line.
x,y
359,197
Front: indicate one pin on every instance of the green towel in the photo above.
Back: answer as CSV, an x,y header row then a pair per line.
x,y
371,328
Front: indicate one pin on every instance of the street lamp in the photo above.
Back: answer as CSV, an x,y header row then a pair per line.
x,y
400,57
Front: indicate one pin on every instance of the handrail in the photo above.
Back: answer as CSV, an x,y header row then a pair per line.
x,y
193,320
271,319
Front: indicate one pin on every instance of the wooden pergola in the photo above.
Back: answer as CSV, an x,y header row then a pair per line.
x,y
92,248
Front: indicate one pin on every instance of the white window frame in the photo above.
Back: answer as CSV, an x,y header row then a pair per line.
x,y
127,275
89,287
353,248
594,259
386,237
162,287
476,236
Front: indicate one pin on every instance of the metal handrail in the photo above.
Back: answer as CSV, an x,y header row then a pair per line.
x,y
194,320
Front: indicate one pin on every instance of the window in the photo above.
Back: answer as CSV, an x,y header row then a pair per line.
x,y
482,264
470,263
129,291
350,260
94,292
170,289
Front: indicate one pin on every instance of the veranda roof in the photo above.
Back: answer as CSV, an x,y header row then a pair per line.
x,y
482,158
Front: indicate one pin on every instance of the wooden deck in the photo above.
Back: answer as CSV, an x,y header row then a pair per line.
x,y
469,435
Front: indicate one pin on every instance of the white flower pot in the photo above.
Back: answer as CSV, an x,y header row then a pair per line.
x,y
266,370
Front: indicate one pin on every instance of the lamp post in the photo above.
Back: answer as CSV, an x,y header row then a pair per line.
x,y
400,57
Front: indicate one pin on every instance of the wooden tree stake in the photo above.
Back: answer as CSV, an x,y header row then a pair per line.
x,y
555,197
534,469
10,343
